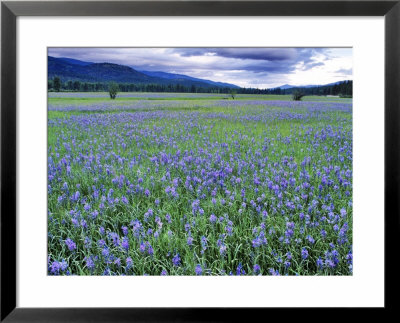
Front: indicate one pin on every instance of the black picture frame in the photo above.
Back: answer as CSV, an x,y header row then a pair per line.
x,y
10,10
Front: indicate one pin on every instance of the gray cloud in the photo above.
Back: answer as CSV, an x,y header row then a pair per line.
x,y
265,54
344,71
274,60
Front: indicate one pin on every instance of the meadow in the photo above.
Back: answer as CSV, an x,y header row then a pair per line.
x,y
199,184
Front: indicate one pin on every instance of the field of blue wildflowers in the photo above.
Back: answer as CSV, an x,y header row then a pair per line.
x,y
203,186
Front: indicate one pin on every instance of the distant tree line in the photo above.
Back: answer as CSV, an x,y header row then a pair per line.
x,y
78,86
342,89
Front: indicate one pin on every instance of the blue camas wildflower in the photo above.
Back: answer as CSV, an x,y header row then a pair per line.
x,y
70,244
198,270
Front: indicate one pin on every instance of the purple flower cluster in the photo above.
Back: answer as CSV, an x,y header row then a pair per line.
x,y
246,187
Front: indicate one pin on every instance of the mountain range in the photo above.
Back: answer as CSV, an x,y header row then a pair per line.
x,y
288,86
172,76
69,69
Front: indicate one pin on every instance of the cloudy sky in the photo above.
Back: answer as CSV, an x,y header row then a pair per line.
x,y
246,67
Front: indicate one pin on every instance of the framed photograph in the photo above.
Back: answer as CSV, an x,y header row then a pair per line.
x,y
182,160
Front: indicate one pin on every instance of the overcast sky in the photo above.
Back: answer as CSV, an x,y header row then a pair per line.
x,y
246,67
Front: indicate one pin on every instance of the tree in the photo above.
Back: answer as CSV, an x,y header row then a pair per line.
x,y
70,85
113,90
297,95
77,85
233,94
57,84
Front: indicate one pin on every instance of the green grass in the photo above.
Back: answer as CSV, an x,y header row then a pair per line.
x,y
199,97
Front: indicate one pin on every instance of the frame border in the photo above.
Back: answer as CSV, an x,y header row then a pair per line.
x,y
10,10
